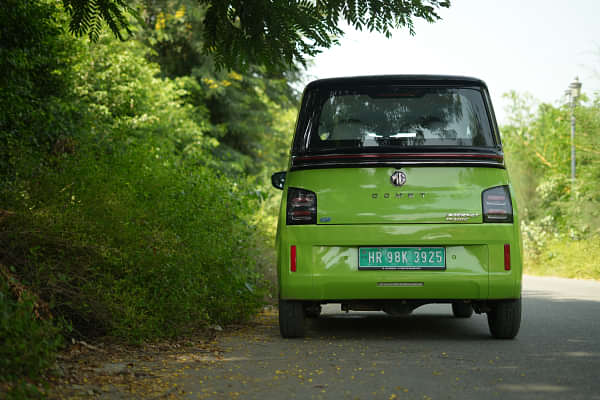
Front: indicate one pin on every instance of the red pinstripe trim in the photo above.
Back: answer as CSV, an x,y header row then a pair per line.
x,y
402,155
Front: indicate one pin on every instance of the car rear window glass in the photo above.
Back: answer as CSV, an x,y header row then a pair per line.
x,y
394,118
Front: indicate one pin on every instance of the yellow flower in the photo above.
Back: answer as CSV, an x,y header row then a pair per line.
x,y
180,13
160,22
235,76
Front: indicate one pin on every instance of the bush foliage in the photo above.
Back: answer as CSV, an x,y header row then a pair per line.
x,y
560,217
28,344
127,204
152,252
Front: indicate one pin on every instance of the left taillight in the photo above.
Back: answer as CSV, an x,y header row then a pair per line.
x,y
301,207
497,206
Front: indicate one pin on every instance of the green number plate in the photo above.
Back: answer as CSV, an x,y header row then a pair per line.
x,y
402,258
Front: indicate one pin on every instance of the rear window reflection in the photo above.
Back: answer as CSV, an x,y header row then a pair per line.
x,y
402,118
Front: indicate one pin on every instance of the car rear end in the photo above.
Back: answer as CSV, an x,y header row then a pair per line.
x,y
397,196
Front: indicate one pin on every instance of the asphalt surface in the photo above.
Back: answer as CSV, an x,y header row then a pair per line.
x,y
427,355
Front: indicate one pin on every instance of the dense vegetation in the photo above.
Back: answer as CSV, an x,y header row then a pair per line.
x,y
131,194
561,219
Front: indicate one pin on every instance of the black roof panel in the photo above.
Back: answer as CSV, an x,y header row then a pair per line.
x,y
444,80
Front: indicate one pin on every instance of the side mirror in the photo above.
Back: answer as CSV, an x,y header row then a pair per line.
x,y
278,179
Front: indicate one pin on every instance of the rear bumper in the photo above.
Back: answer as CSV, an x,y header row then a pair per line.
x,y
327,262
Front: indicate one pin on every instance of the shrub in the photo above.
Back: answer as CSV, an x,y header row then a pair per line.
x,y
27,343
134,245
562,256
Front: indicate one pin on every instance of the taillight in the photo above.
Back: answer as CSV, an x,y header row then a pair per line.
x,y
497,206
293,258
301,207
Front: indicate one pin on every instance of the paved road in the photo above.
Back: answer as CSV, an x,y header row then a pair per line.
x,y
428,355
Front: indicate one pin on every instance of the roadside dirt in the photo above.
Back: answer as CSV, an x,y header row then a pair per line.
x,y
116,371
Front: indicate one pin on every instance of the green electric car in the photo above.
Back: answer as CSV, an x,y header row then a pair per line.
x,y
397,196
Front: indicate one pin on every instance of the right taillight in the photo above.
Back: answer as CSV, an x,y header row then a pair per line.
x,y
301,207
497,206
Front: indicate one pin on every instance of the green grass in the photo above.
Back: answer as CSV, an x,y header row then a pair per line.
x,y
577,259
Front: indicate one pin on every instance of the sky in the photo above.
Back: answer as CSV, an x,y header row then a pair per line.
x,y
529,46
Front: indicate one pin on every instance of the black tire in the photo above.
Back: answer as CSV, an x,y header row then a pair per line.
x,y
504,319
291,319
462,310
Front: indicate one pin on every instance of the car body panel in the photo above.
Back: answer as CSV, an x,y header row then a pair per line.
x,y
327,262
366,195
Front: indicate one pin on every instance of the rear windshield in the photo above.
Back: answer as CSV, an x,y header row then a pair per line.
x,y
396,119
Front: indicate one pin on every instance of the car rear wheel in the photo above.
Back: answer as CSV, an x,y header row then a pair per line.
x,y
291,319
462,310
504,319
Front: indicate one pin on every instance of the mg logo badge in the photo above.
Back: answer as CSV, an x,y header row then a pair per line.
x,y
398,178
